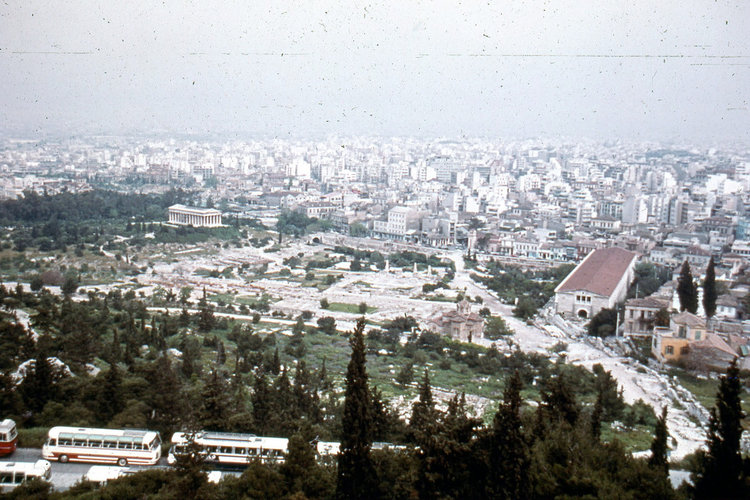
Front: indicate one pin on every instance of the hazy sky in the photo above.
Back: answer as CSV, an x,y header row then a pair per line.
x,y
664,69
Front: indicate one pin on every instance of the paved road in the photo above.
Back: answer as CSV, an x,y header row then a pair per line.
x,y
63,475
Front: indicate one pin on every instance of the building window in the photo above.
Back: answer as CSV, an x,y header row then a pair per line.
x,y
697,335
682,333
669,350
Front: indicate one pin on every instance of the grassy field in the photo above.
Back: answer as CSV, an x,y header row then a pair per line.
x,y
349,308
704,390
637,439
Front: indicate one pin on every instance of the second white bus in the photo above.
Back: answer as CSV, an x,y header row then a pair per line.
x,y
115,446
13,474
226,448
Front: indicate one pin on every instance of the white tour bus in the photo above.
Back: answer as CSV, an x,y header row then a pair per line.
x,y
227,448
116,446
12,474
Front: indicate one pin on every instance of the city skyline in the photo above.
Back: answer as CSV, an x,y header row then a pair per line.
x,y
637,72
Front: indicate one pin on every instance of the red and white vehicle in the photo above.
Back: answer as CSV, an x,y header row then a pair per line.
x,y
8,437
115,446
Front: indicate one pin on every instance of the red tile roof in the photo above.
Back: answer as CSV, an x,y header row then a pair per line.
x,y
599,273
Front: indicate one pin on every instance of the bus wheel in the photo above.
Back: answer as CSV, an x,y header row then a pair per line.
x,y
63,459
122,462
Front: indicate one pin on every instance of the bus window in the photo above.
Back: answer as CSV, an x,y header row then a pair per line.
x,y
95,441
225,449
3,437
240,451
79,440
6,477
110,442
65,439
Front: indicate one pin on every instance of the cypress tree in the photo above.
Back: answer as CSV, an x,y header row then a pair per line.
x,y
356,473
380,422
261,402
709,290
436,448
221,354
206,318
275,367
658,459
423,414
596,418
720,473
686,290
509,454
110,399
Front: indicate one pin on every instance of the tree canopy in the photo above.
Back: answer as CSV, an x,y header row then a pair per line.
x,y
687,291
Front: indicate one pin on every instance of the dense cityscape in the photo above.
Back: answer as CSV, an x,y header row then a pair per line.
x,y
427,250
571,252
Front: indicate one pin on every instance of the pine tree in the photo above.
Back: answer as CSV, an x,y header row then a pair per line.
x,y
709,290
221,354
380,416
38,387
659,449
110,400
214,410
509,454
720,473
286,412
166,395
596,418
560,403
423,414
275,367
686,290
427,432
206,318
323,382
356,474
301,471
115,352
262,404
184,320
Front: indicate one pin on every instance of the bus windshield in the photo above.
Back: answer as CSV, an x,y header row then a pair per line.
x,y
155,443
